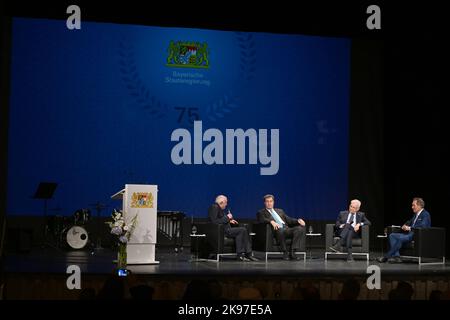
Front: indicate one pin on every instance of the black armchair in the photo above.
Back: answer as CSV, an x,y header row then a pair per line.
x,y
264,241
217,244
360,245
427,243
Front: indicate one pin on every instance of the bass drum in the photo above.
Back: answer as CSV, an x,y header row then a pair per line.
x,y
76,237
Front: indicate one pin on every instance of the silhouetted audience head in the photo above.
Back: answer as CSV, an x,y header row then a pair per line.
x,y
215,289
262,287
197,290
445,295
113,289
404,291
142,292
305,291
436,295
249,294
350,290
87,294
310,293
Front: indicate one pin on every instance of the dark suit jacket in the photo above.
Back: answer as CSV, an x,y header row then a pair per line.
x,y
264,216
423,221
218,216
343,216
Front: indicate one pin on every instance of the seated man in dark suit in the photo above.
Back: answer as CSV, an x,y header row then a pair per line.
x,y
421,219
348,226
218,215
283,226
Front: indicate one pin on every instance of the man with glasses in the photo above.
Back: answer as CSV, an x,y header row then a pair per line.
x,y
348,226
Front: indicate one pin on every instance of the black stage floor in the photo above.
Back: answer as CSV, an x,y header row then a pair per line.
x,y
53,261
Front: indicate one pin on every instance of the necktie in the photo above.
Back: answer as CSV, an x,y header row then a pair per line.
x,y
414,221
351,219
276,217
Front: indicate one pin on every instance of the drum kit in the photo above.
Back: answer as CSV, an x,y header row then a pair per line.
x,y
70,232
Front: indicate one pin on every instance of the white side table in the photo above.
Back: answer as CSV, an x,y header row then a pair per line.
x,y
382,237
196,237
311,235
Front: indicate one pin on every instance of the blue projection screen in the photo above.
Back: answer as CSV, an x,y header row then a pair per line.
x,y
197,112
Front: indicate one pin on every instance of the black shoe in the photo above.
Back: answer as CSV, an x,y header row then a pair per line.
x,y
296,257
243,258
336,248
251,257
286,256
395,259
350,258
382,259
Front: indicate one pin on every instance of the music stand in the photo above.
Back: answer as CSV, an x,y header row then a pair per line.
x,y
98,207
45,192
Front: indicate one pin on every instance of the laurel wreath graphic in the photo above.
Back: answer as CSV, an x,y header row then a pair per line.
x,y
248,54
214,111
227,103
135,85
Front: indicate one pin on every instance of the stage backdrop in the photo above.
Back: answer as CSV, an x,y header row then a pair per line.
x,y
197,112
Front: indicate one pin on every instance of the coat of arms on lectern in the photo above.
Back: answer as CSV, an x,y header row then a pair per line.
x,y
142,200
